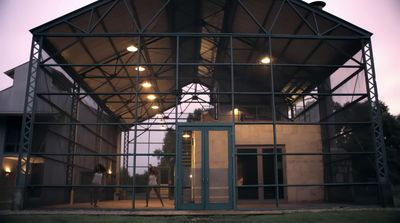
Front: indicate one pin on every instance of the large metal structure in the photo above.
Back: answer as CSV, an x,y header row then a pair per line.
x,y
205,55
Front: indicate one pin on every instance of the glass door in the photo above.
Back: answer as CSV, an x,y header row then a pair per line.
x,y
190,169
204,167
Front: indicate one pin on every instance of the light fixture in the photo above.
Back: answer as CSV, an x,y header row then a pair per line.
x,y
140,68
190,175
185,135
132,48
109,171
151,97
7,170
265,60
155,107
236,111
146,84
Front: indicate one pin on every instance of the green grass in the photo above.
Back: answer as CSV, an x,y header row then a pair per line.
x,y
322,217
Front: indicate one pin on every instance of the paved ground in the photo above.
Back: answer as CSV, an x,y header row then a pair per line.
x,y
169,205
315,216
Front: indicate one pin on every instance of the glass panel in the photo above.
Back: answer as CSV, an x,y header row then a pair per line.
x,y
218,166
252,108
191,167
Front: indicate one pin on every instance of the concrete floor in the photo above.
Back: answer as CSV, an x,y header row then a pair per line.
x,y
271,205
119,204
170,205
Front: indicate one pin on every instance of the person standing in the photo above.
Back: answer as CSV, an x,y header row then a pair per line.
x,y
96,181
152,183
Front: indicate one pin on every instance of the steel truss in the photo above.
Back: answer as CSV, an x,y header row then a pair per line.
x,y
376,118
25,143
126,150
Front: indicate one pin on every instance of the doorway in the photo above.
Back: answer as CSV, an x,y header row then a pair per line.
x,y
204,167
256,171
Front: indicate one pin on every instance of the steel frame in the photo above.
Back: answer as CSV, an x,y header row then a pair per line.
x,y
376,119
28,119
126,150
137,123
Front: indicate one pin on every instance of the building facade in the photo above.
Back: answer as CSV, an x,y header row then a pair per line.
x,y
236,104
54,139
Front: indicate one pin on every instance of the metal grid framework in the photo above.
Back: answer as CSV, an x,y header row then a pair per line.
x,y
176,102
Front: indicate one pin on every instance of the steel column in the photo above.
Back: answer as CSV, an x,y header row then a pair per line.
x,y
73,130
25,142
377,130
136,122
99,131
126,150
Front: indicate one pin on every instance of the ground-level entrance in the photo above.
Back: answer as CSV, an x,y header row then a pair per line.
x,y
204,167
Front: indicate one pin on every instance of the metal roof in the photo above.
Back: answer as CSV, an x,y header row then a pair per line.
x,y
100,33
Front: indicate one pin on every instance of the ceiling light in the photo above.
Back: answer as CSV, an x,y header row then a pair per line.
x,y
132,48
266,60
155,107
151,97
140,68
185,135
146,84
236,111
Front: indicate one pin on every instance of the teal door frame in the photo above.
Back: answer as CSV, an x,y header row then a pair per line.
x,y
205,204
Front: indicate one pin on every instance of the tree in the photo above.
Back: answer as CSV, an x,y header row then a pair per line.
x,y
356,138
391,132
169,146
359,137
169,141
195,115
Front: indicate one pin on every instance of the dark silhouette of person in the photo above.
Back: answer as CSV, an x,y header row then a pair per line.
x,y
153,185
97,180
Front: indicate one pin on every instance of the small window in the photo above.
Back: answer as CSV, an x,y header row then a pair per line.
x,y
13,131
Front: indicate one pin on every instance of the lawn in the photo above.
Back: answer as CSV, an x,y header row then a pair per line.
x,y
324,217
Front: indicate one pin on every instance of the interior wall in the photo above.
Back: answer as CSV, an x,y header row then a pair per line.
x,y
297,169
218,166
